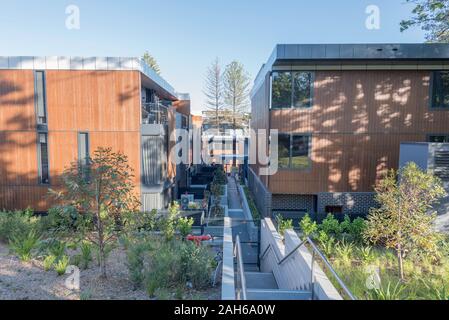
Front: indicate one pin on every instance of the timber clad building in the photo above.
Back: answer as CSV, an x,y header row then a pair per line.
x,y
342,112
56,110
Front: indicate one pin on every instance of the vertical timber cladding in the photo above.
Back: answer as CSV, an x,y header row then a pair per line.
x,y
18,152
358,120
106,104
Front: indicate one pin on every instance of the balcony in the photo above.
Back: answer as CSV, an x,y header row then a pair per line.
x,y
154,113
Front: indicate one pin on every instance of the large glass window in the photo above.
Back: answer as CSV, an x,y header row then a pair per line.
x,y
302,89
284,150
40,99
291,89
42,150
293,151
300,152
281,90
440,94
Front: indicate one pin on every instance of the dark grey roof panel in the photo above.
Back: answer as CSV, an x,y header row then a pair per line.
x,y
362,51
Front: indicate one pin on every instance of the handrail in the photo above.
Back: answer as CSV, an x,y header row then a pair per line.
x,y
241,271
315,251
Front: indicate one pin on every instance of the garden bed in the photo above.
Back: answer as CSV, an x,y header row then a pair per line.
x,y
28,281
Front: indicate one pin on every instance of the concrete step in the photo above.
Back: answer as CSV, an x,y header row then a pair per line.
x,y
263,294
259,280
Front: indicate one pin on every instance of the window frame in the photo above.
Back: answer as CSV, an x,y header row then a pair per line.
x,y
44,92
39,159
87,145
309,152
432,95
292,89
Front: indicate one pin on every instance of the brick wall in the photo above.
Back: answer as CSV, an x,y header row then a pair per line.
x,y
353,203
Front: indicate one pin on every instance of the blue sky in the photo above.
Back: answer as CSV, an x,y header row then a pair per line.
x,y
186,35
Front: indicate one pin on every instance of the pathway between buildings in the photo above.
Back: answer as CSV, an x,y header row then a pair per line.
x,y
250,249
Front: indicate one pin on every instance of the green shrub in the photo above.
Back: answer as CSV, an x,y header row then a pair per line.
x,y
366,254
86,255
220,177
135,262
23,246
331,226
49,262
174,264
57,248
389,292
357,229
61,265
17,224
252,205
326,244
345,251
283,224
308,227
184,226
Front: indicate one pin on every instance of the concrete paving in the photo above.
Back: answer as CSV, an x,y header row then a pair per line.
x,y
250,250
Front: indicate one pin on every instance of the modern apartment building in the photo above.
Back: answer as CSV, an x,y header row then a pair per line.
x,y
342,112
56,110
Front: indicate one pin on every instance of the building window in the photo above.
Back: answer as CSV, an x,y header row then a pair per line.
x,y
42,153
284,151
294,151
335,210
302,89
435,138
440,90
292,90
281,90
83,148
300,152
40,97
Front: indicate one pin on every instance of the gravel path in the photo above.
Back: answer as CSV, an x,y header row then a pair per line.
x,y
28,281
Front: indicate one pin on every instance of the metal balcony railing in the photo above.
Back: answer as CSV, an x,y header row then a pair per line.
x,y
154,113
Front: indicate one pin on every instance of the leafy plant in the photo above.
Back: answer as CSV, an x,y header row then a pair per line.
x,y
308,227
389,292
135,262
184,226
99,193
17,224
57,248
23,246
61,265
366,254
344,251
49,262
283,224
252,205
402,222
331,226
327,245
86,255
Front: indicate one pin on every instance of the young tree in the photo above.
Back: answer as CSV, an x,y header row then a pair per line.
x,y
432,16
404,220
151,61
213,89
236,90
99,192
